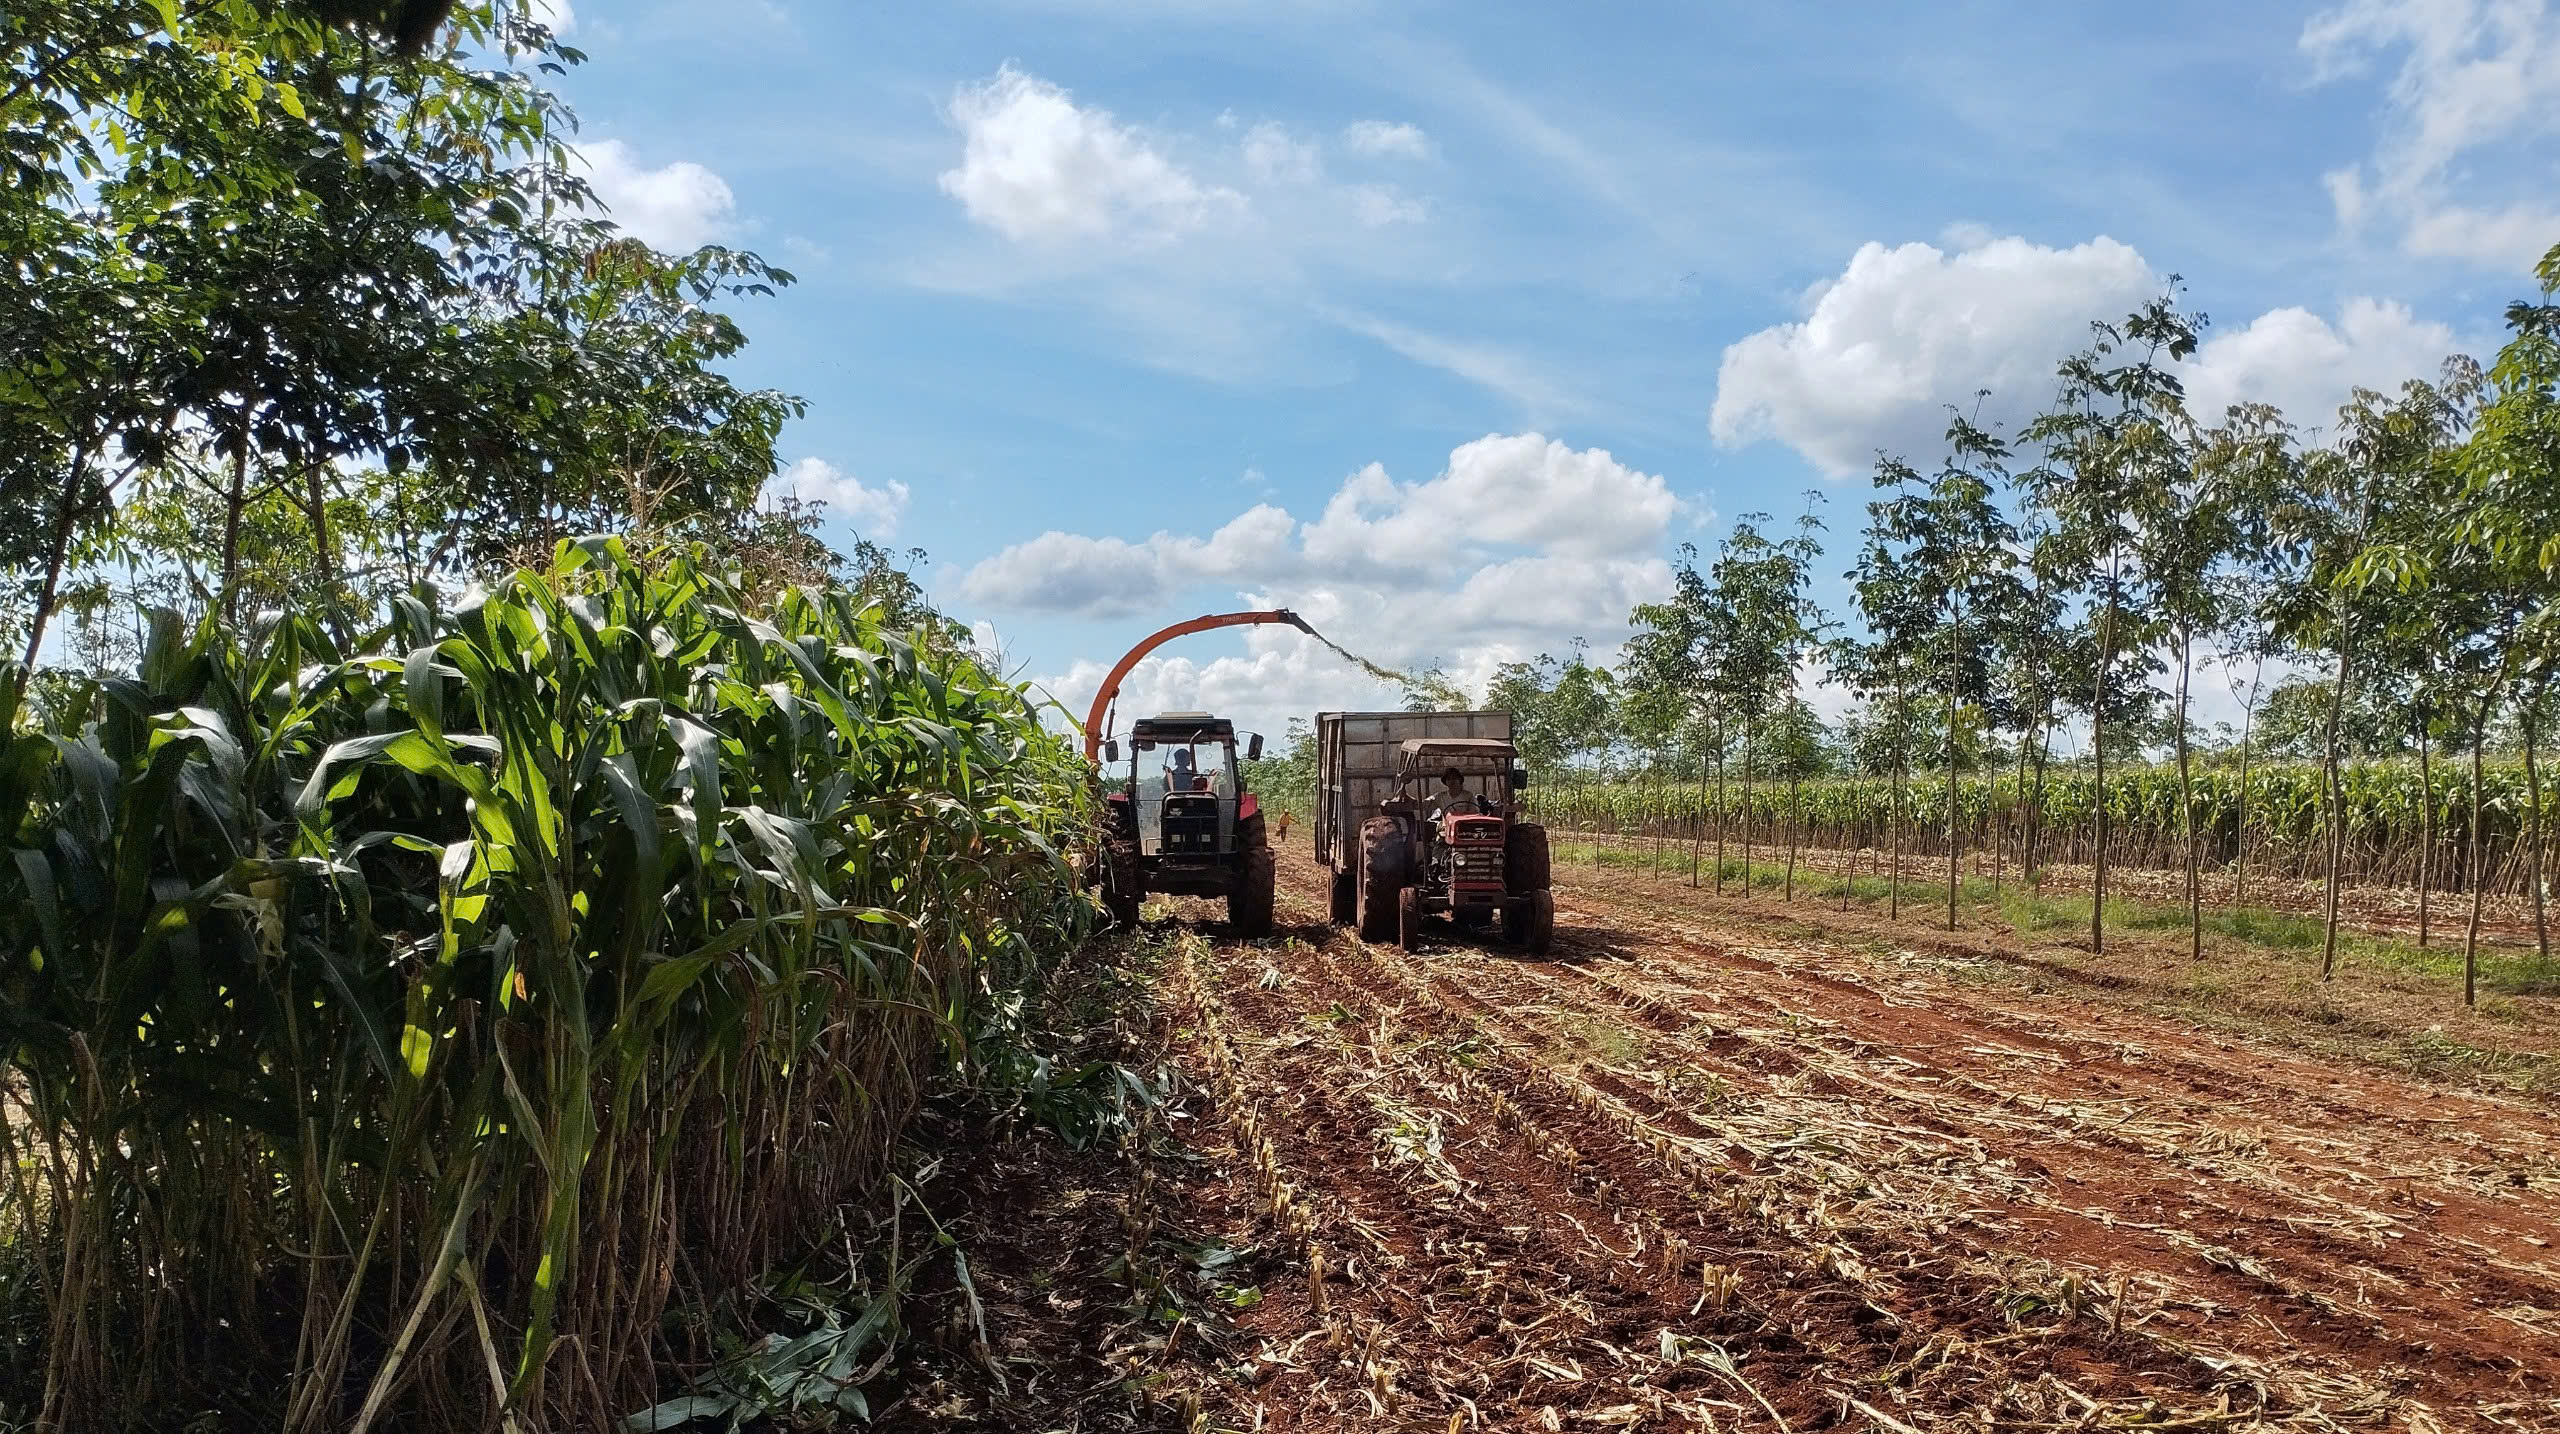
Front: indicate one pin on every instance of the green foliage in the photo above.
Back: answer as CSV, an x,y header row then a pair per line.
x,y
496,983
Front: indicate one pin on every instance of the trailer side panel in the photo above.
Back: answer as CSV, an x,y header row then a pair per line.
x,y
1356,755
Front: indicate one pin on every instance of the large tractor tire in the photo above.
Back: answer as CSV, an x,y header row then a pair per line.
x,y
1123,888
1409,918
1252,833
1525,862
1249,905
1530,922
1382,877
1346,898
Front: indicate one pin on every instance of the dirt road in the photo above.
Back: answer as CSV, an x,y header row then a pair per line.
x,y
1674,1177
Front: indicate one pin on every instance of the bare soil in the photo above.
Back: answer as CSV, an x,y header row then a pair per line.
x,y
1712,1165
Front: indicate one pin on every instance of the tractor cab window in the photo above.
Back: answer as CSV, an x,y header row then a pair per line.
x,y
1190,781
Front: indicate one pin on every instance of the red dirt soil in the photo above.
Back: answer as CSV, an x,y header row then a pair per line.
x,y
1689,1175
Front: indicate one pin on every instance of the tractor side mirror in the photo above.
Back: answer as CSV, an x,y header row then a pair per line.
x,y
1517,778
1111,753
1253,749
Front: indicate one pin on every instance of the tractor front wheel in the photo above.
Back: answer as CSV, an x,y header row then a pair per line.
x,y
1249,905
1409,918
1382,876
1530,921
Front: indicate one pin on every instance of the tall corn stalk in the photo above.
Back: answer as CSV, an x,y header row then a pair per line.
x,y
434,1032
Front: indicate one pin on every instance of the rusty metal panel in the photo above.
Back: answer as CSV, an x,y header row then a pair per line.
x,y
1356,756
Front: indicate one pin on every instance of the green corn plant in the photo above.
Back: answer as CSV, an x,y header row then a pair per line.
x,y
437,1029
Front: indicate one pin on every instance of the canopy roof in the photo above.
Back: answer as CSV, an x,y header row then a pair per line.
x,y
1493,748
1182,724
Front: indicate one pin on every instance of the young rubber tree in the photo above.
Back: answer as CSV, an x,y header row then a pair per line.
x,y
1882,667
2107,445
1955,546
1774,625
2372,521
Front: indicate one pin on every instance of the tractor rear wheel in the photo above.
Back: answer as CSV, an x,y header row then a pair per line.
x,y
1249,905
1382,876
1409,918
1122,886
1542,923
1525,860
1346,898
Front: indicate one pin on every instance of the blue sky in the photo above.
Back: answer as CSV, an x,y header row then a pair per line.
x,y
1446,323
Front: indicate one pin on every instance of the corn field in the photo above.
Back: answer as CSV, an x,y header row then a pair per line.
x,y
436,1030
2279,818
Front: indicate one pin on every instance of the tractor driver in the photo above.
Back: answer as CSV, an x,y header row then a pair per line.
x,y
1453,795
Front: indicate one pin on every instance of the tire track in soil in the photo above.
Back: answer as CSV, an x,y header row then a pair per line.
x,y
1886,1232
2466,1325
1548,1186
1808,1328
2509,1176
2066,1197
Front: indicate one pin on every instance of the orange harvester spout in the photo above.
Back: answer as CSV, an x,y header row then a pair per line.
x,y
1101,709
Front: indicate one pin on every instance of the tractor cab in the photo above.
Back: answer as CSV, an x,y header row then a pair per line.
x,y
1182,786
1180,821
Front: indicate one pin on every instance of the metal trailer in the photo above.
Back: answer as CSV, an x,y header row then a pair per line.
x,y
1358,764
1356,756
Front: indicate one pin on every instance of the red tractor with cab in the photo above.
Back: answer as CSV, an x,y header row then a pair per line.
x,y
1176,818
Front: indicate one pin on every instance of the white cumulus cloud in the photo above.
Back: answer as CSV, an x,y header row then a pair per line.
x,y
2478,82
872,511
1382,139
1902,332
1038,167
2308,366
1519,546
678,206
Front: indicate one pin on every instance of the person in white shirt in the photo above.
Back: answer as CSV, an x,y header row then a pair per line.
x,y
1452,795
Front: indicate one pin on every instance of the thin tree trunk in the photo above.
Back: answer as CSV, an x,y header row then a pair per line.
x,y
1893,883
2098,750
66,515
2426,821
2479,886
1720,809
234,503
2240,839
1795,822
1955,831
1698,834
1851,884
2337,832
2187,801
2035,801
324,554
1750,760
2533,826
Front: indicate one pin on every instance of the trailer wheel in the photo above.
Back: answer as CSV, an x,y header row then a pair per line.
x,y
1346,898
1409,918
1249,905
1381,877
1525,861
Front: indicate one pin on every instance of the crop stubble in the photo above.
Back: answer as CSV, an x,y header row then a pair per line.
x,y
1680,1178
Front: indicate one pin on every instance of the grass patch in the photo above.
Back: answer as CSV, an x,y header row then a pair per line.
x,y
1611,1043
